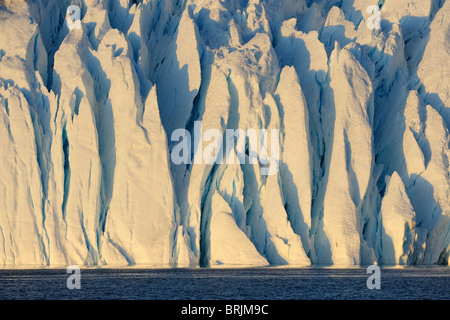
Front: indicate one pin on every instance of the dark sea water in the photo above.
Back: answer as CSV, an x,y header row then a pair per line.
x,y
226,284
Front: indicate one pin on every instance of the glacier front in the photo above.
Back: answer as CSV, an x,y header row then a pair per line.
x,y
93,92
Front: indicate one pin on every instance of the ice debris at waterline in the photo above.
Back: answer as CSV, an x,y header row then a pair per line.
x,y
88,111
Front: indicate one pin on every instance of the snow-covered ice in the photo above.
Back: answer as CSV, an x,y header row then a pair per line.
x,y
87,116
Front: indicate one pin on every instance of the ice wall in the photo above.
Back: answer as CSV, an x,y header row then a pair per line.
x,y
88,113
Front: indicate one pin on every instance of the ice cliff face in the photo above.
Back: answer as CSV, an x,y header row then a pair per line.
x,y
87,117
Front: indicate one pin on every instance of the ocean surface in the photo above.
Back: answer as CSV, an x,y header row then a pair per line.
x,y
226,284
